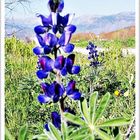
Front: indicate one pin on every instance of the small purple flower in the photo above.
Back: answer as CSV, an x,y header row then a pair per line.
x,y
45,65
93,56
72,92
66,65
52,92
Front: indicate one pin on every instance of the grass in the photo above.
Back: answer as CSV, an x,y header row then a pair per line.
x,y
22,86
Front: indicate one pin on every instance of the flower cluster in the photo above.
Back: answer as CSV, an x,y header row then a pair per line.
x,y
54,34
93,55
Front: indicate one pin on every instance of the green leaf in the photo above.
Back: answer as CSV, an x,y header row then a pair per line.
x,y
84,110
92,105
23,132
102,106
74,119
54,131
8,135
132,137
115,122
64,130
102,134
119,137
80,131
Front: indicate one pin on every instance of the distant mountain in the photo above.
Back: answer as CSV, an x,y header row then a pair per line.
x,y
97,24
100,24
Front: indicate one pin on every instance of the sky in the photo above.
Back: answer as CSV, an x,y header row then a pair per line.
x,y
79,7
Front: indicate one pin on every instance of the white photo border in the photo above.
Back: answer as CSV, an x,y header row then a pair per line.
x,y
2,69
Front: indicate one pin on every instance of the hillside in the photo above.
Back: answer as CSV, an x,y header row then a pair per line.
x,y
119,34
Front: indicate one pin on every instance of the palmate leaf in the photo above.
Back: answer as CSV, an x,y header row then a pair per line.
x,y
102,106
102,134
84,110
81,131
92,106
74,119
23,133
54,131
115,122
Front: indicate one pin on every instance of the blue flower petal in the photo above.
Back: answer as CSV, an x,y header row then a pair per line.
x,y
59,62
41,74
75,69
71,86
64,71
38,50
39,29
75,94
66,20
56,6
43,98
56,120
40,40
47,49
61,6
50,40
46,63
46,127
46,21
45,87
56,98
70,28
65,38
68,48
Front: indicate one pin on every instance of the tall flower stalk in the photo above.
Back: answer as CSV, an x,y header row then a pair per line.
x,y
54,34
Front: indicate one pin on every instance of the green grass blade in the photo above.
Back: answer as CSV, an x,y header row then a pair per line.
x,y
92,106
84,110
103,135
23,133
115,122
8,135
102,106
54,131
64,130
74,119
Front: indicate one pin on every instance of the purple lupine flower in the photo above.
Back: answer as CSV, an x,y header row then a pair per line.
x,y
93,54
45,65
52,92
66,65
56,120
72,92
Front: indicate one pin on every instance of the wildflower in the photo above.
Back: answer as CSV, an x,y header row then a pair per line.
x,y
52,92
93,56
45,64
117,93
72,92
66,65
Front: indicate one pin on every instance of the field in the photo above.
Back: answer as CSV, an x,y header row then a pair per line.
x,y
117,73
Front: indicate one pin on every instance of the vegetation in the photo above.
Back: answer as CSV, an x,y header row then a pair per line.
x,y
117,73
